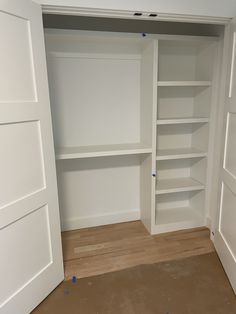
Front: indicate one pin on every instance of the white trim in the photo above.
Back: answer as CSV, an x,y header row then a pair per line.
x,y
125,14
100,219
131,36
232,66
112,56
171,227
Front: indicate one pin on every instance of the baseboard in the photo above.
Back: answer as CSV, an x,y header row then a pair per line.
x,y
100,220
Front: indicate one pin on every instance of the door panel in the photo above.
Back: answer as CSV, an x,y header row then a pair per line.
x,y
29,228
225,236
227,219
19,182
16,37
31,256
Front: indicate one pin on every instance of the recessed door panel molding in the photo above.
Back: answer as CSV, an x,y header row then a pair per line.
x,y
227,219
17,75
28,235
22,167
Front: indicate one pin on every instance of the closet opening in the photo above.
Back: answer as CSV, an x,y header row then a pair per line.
x,y
134,106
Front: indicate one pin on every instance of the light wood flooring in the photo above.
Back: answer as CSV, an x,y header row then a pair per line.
x,y
94,251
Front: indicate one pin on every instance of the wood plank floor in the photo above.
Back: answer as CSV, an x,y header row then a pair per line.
x,y
94,251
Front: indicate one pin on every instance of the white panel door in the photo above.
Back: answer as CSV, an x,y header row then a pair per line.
x,y
30,244
225,237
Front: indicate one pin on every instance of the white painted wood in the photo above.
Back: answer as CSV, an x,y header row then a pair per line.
x,y
232,67
184,83
78,11
148,132
198,170
31,256
154,135
102,115
179,153
100,219
186,71
131,40
104,188
147,91
177,219
177,211
76,63
175,123
200,136
184,63
174,136
146,181
219,122
182,121
178,185
101,150
102,45
173,169
184,102
225,229
173,200
189,10
82,117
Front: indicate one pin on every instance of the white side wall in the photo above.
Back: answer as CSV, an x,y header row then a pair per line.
x,y
218,8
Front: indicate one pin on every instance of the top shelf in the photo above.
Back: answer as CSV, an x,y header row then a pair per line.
x,y
184,83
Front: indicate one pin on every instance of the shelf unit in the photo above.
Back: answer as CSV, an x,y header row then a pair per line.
x,y
131,119
184,88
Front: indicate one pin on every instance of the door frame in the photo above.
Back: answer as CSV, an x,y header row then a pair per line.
x,y
219,119
126,14
221,128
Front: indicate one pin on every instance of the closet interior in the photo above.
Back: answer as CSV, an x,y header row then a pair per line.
x,y
134,118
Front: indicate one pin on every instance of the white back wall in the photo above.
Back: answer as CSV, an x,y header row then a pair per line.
x,y
218,8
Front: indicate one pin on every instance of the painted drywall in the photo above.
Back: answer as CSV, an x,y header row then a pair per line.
x,y
219,8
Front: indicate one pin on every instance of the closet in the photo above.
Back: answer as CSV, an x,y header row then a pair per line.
x,y
141,114
134,121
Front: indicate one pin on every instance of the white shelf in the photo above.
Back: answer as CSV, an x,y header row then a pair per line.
x,y
184,83
182,121
101,150
175,185
179,153
177,218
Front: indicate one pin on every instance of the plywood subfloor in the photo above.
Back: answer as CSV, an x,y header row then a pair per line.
x,y
194,285
99,250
